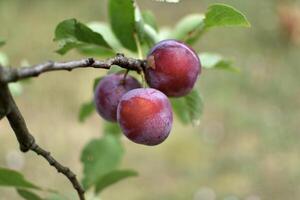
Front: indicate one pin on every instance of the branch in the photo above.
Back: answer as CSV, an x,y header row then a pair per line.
x,y
27,141
14,74
60,169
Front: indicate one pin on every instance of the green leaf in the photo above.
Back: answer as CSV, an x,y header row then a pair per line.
x,y
189,28
224,15
105,30
95,51
56,197
28,195
164,33
122,19
72,34
11,178
96,82
16,88
86,110
99,157
149,19
216,61
112,178
115,69
4,61
147,35
189,108
2,42
112,128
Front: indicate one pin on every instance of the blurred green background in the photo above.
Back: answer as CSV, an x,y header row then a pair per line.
x,y
246,147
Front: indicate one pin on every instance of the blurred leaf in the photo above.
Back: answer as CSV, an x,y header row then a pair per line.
x,y
56,197
147,35
149,19
107,33
164,33
112,178
28,195
16,88
86,110
216,61
112,128
4,61
189,108
72,34
224,15
96,81
11,178
115,69
93,51
122,19
151,35
189,28
99,157
2,42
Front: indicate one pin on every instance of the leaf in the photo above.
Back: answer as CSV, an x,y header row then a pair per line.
x,y
189,108
72,34
2,42
86,110
112,178
115,69
164,33
11,178
16,88
4,61
95,51
96,82
189,28
99,157
149,19
216,61
112,128
147,35
28,195
122,20
224,15
105,30
56,197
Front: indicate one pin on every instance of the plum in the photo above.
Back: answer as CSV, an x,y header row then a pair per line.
x,y
173,68
145,116
109,92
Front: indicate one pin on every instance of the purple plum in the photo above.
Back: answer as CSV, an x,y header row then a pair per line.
x,y
109,92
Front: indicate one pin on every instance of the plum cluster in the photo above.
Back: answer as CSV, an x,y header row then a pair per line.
x,y
145,114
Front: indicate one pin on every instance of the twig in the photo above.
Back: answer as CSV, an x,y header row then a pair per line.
x,y
27,141
60,169
14,74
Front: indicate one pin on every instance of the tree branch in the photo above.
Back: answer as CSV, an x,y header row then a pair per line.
x,y
27,141
14,74
60,169
9,108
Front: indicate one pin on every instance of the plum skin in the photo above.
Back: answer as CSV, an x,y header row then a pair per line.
x,y
109,92
145,116
173,68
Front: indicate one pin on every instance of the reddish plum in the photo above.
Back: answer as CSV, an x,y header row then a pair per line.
x,y
173,68
145,116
